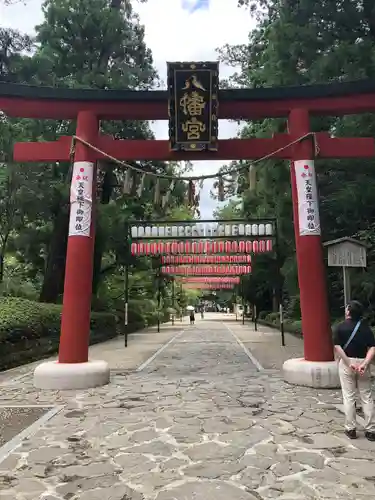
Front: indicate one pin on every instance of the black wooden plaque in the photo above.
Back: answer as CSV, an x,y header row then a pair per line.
x,y
193,106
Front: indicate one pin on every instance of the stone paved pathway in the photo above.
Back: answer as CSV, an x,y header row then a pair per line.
x,y
199,422
265,344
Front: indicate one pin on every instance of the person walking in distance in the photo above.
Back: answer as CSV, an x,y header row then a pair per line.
x,y
192,317
355,346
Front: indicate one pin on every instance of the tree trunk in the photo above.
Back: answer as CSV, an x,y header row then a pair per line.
x,y
275,304
3,249
1,267
53,284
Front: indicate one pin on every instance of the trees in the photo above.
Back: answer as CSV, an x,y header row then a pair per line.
x,y
232,210
96,43
90,44
12,45
307,41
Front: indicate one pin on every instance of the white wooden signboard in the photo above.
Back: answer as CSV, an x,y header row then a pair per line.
x,y
346,254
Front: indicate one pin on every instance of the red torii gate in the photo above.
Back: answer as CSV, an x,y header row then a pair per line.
x,y
296,104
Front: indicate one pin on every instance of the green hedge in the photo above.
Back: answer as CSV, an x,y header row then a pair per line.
x,y
263,314
142,313
291,326
30,330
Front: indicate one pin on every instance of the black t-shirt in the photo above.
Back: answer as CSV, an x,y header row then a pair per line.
x,y
360,344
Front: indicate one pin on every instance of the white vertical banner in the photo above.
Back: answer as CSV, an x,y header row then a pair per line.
x,y
307,193
81,199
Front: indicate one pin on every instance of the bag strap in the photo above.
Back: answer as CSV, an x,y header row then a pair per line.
x,y
352,335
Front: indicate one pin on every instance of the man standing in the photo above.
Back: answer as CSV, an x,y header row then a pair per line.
x,y
355,346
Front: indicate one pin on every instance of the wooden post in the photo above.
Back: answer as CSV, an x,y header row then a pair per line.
x,y
281,315
347,288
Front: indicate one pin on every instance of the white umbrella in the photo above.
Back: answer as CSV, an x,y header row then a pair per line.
x,y
190,308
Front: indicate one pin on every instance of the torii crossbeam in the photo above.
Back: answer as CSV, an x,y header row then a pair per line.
x,y
245,149
296,104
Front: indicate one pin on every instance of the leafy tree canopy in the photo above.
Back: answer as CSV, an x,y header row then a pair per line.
x,y
300,42
79,44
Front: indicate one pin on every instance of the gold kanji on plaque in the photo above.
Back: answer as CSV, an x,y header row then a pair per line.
x,y
193,119
192,104
193,128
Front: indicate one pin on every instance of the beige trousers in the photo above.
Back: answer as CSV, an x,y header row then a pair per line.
x,y
352,382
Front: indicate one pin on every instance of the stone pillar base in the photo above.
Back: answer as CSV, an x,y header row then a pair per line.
x,y
320,375
67,376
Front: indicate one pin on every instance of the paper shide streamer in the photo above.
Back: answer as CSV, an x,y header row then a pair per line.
x,y
165,198
252,178
141,185
128,182
191,194
157,192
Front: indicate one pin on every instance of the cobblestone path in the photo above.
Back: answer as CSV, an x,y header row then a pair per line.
x,y
199,422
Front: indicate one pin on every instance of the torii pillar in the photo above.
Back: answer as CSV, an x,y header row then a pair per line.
x,y
73,370
317,368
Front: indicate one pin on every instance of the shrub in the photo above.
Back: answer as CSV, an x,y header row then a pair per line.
x,y
24,319
263,314
151,318
273,317
294,327
293,309
31,330
290,326
141,313
12,287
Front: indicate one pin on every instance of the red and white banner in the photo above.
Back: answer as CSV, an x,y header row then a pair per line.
x,y
206,270
201,247
81,199
308,203
206,259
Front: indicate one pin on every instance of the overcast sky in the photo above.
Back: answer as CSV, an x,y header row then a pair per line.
x,y
176,30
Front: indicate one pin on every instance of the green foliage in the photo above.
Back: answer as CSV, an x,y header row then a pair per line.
x,y
263,315
290,325
13,45
272,317
31,330
18,287
232,210
144,312
79,44
305,42
93,43
24,319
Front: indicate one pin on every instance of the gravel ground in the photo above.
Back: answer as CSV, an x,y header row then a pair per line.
x,y
15,420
